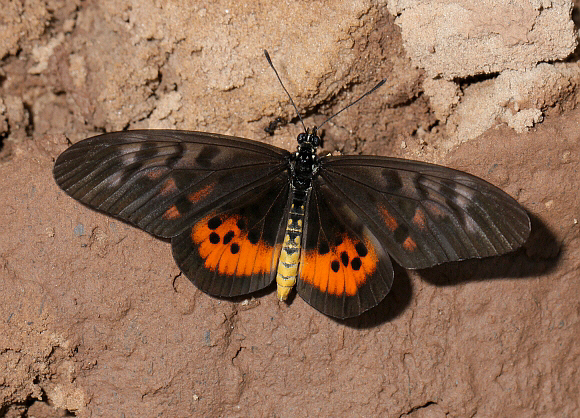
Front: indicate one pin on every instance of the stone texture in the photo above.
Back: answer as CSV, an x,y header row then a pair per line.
x,y
456,39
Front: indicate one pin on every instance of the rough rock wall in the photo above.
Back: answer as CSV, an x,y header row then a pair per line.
x,y
95,318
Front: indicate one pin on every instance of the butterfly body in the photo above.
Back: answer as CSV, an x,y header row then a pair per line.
x,y
303,168
240,213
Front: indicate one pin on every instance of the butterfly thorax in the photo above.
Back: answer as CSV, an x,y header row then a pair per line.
x,y
304,162
304,166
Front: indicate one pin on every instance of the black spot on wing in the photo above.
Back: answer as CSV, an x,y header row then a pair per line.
x,y
183,205
228,237
206,156
401,233
184,178
419,187
214,222
407,207
176,156
361,249
393,179
254,236
344,258
214,238
147,150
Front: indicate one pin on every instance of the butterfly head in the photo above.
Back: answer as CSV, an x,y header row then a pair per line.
x,y
309,138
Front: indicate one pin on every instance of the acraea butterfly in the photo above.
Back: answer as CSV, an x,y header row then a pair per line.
x,y
240,213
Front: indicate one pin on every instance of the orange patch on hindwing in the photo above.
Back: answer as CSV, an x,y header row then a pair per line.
x,y
227,247
341,269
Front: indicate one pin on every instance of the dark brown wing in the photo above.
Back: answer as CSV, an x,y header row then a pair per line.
x,y
425,214
165,181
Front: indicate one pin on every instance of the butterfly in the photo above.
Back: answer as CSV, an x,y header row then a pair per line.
x,y
241,213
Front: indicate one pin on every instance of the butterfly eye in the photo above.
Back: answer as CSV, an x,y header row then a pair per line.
x,y
314,140
302,138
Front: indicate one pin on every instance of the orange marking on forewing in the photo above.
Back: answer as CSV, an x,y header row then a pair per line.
x,y
172,213
168,187
200,194
420,219
155,173
316,269
250,259
434,209
389,219
409,244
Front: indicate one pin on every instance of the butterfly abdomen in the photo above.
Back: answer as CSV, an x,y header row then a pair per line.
x,y
289,260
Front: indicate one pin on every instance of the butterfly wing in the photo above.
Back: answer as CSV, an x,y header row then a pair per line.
x,y
344,270
234,249
163,181
194,188
425,214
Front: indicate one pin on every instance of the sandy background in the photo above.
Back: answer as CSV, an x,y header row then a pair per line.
x,y
96,319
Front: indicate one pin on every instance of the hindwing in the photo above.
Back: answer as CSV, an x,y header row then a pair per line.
x,y
234,249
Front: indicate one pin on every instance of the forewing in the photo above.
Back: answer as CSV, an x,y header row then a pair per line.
x,y
233,250
344,270
163,181
425,214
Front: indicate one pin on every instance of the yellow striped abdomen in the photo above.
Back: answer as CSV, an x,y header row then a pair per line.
x,y
287,270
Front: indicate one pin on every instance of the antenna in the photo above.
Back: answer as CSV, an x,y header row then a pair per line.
x,y
356,101
380,83
290,97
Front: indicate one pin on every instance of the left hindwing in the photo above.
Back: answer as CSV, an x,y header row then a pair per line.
x,y
234,249
425,214
164,181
